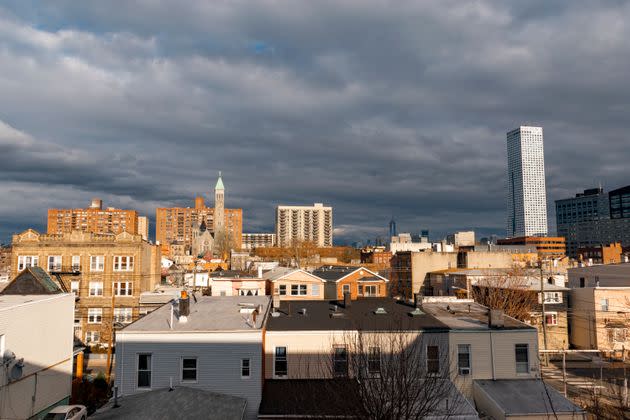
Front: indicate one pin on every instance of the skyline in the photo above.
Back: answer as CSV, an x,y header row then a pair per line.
x,y
406,120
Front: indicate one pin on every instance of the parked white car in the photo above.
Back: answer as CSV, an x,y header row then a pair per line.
x,y
67,412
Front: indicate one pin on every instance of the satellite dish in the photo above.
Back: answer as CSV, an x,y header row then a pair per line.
x,y
16,371
7,357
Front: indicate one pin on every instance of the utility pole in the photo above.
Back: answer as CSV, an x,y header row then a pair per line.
x,y
542,300
111,340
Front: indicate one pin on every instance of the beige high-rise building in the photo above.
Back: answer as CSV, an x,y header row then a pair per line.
x,y
105,271
93,219
304,223
143,227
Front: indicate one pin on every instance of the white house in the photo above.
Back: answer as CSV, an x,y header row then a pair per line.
x,y
36,335
210,343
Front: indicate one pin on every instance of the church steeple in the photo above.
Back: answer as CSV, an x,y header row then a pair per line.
x,y
219,211
219,185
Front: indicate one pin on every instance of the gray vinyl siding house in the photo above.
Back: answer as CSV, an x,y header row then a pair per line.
x,y
204,350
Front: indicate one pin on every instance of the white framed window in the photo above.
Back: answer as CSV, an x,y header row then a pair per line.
x,y
2,344
74,287
618,335
374,360
298,290
25,261
245,369
123,263
551,297
123,288
282,290
144,370
314,289
54,263
96,288
76,263
551,318
97,262
521,353
345,288
463,359
280,362
92,337
189,369
371,290
123,315
604,304
95,315
433,359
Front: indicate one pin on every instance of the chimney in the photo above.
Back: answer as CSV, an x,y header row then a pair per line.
x,y
184,306
275,301
260,271
496,318
417,300
96,204
347,301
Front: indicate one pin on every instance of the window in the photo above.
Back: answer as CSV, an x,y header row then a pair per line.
x,y
122,315
463,359
618,335
282,289
97,262
522,358
604,304
374,360
340,361
2,345
76,263
433,359
25,261
54,263
122,288
96,288
123,263
298,290
360,289
280,362
244,368
144,371
345,288
92,337
552,297
95,315
189,369
371,290
315,290
582,281
74,287
551,318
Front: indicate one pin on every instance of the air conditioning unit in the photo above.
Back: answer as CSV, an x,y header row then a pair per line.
x,y
464,371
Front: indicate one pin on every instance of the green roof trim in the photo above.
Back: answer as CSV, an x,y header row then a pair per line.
x,y
219,185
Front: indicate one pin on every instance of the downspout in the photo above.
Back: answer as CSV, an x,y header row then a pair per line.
x,y
492,356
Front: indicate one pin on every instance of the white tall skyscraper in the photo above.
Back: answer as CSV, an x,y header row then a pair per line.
x,y
527,197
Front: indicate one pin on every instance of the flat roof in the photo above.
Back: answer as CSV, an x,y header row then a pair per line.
x,y
370,314
526,397
466,314
8,302
209,313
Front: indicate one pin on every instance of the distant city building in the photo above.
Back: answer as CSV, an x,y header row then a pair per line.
x,y
404,242
527,197
94,267
178,224
547,246
93,219
603,254
5,264
466,238
392,228
258,240
304,223
594,218
143,227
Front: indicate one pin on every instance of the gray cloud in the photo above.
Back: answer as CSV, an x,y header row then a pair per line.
x,y
376,108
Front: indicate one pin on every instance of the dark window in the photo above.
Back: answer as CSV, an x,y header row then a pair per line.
x,y
522,358
582,281
245,368
280,365
433,359
189,369
374,360
144,371
282,289
463,359
340,361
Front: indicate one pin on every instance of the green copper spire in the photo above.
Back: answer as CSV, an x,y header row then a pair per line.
x,y
219,185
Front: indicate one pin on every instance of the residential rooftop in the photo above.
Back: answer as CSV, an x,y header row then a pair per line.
x,y
207,313
371,314
466,314
8,302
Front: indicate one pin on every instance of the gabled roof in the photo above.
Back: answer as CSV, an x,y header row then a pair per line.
x,y
32,281
279,273
337,273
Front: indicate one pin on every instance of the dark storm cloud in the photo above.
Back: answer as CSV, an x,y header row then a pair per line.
x,y
377,108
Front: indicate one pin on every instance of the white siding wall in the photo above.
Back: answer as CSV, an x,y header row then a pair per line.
x,y
218,362
41,332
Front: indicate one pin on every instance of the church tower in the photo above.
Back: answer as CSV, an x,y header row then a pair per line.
x,y
219,209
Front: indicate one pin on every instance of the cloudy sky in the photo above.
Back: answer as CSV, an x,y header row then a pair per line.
x,y
377,108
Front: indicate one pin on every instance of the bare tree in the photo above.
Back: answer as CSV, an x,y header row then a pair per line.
x,y
509,292
609,402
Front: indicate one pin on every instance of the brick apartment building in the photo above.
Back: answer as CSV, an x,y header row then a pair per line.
x,y
105,271
93,219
